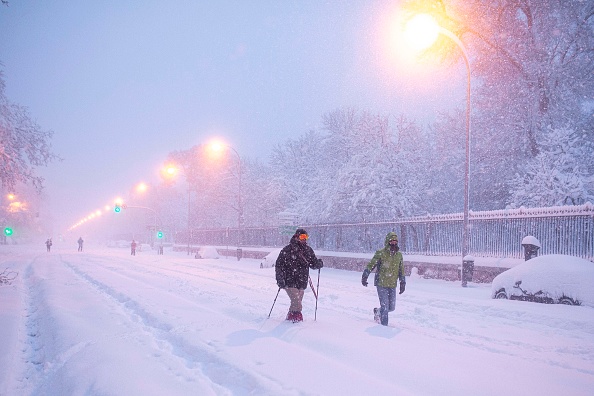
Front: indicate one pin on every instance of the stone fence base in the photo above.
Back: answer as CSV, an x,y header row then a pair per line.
x,y
449,272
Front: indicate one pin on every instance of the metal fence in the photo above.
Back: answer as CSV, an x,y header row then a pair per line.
x,y
560,230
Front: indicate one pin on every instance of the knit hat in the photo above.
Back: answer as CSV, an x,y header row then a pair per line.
x,y
300,231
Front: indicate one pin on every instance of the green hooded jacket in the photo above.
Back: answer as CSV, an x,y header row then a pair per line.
x,y
390,265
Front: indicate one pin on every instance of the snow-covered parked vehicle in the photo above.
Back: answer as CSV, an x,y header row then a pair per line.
x,y
207,252
549,279
270,259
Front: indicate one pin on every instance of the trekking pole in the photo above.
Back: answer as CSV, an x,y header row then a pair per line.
x,y
312,288
274,302
317,294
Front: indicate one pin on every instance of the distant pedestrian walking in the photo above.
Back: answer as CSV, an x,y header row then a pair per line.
x,y
80,244
390,269
48,244
133,248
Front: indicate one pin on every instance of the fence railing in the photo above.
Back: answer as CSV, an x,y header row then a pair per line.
x,y
560,230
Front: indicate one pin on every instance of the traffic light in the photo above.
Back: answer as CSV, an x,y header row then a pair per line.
x,y
8,231
117,208
159,234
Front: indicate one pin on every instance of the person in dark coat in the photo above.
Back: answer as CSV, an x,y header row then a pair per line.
x,y
80,244
292,271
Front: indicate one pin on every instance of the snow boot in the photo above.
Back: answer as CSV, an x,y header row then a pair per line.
x,y
298,317
295,316
376,315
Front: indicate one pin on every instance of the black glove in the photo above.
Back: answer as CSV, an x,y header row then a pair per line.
x,y
320,264
402,287
364,277
281,284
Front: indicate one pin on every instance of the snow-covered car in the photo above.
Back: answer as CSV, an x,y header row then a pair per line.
x,y
549,279
207,252
122,243
270,259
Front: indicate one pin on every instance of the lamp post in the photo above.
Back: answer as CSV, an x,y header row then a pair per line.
x,y
424,27
217,147
189,222
169,172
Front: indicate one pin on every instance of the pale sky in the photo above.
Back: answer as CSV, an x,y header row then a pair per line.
x,y
123,83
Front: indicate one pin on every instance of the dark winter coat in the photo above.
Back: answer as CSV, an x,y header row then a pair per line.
x,y
390,266
293,264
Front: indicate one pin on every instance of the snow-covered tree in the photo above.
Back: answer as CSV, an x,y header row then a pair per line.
x,y
533,63
555,176
296,166
446,154
262,195
24,146
356,168
384,177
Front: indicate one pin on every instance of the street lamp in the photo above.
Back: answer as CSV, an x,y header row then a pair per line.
x,y
142,188
421,32
170,171
217,147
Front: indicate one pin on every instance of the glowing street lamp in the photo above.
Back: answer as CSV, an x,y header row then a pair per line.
x,y
141,188
169,172
421,31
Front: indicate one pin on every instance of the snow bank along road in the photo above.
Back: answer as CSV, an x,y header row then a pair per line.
x,y
103,322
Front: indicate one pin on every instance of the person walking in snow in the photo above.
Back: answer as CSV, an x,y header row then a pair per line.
x,y
48,244
292,271
80,244
390,269
133,248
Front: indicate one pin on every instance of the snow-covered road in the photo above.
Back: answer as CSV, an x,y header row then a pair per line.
x,y
102,322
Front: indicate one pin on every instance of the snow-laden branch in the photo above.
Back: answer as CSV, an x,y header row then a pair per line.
x,y
6,277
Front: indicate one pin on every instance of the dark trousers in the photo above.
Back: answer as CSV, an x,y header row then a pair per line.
x,y
387,299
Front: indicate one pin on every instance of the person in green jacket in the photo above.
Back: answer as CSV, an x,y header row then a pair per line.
x,y
390,269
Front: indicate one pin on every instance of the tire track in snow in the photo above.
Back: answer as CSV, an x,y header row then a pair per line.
x,y
32,348
216,369
185,289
